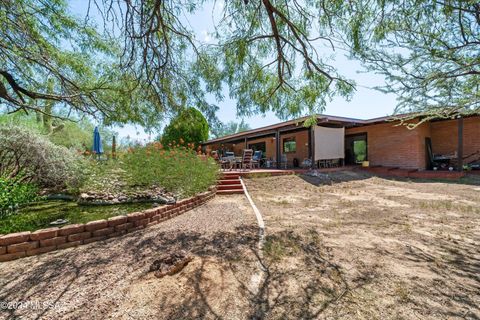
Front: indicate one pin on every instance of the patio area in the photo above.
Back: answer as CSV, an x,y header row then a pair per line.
x,y
280,172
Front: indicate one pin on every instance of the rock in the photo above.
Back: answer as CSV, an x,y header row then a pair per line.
x,y
170,264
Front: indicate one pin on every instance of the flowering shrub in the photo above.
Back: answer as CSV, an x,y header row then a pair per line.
x,y
178,169
30,157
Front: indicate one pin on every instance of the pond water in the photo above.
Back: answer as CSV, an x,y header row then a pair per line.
x,y
40,215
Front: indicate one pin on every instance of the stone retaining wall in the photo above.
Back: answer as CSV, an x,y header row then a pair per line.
x,y
22,244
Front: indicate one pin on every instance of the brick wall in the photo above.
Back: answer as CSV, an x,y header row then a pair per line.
x,y
301,139
395,146
22,244
270,148
445,136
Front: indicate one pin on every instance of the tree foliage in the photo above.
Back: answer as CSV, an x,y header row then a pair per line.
x,y
427,50
76,134
50,58
190,126
273,55
231,127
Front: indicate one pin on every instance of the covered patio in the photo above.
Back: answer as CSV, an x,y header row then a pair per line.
x,y
290,145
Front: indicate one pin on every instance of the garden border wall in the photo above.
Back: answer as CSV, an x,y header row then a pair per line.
x,y
23,244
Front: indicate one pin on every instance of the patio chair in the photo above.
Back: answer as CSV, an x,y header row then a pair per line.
x,y
228,160
333,163
257,157
247,160
306,163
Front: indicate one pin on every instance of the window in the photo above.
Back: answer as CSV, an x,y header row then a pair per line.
x,y
289,145
360,150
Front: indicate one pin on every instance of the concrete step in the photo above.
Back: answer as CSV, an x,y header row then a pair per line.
x,y
232,181
228,192
229,187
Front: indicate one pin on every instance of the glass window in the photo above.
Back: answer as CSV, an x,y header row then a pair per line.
x,y
360,150
289,145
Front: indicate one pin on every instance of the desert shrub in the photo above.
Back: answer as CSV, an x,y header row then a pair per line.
x,y
177,169
190,126
31,158
13,193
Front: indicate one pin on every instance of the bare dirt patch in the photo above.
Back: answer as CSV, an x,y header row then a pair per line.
x,y
352,246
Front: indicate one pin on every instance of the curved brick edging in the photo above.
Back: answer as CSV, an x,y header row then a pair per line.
x,y
22,244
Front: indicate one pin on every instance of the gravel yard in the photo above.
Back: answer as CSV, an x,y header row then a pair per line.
x,y
110,279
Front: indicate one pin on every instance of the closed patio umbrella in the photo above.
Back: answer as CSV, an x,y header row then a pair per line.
x,y
97,142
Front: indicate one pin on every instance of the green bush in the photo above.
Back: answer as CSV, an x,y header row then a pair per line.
x,y
178,169
31,158
190,126
13,193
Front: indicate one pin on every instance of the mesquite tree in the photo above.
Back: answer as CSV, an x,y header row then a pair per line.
x,y
273,55
428,51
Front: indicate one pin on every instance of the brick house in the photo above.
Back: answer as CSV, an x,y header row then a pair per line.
x,y
381,141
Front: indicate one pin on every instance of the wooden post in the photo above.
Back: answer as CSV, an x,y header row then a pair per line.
x,y
277,146
311,146
246,147
114,148
460,144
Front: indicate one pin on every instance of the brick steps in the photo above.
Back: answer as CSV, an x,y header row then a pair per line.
x,y
229,192
229,183
230,187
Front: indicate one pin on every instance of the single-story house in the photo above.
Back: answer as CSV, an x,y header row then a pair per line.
x,y
381,141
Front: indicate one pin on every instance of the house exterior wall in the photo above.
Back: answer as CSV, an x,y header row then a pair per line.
x,y
388,144
301,140
395,146
445,136
270,147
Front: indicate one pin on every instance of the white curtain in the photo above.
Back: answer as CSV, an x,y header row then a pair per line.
x,y
329,143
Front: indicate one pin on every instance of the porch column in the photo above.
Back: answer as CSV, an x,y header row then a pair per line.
x,y
277,148
311,146
460,144
246,147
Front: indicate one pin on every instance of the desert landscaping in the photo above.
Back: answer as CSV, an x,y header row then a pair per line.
x,y
343,245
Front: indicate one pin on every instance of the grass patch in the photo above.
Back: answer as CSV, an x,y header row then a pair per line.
x,y
447,205
40,215
280,245
402,292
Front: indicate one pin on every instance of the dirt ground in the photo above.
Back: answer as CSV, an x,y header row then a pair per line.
x,y
351,246
339,246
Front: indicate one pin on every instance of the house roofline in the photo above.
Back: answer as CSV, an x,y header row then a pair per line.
x,y
322,118
298,121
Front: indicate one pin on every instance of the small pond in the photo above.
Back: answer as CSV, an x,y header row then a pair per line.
x,y
40,215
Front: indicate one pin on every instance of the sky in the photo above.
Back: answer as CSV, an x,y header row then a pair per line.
x,y
366,102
